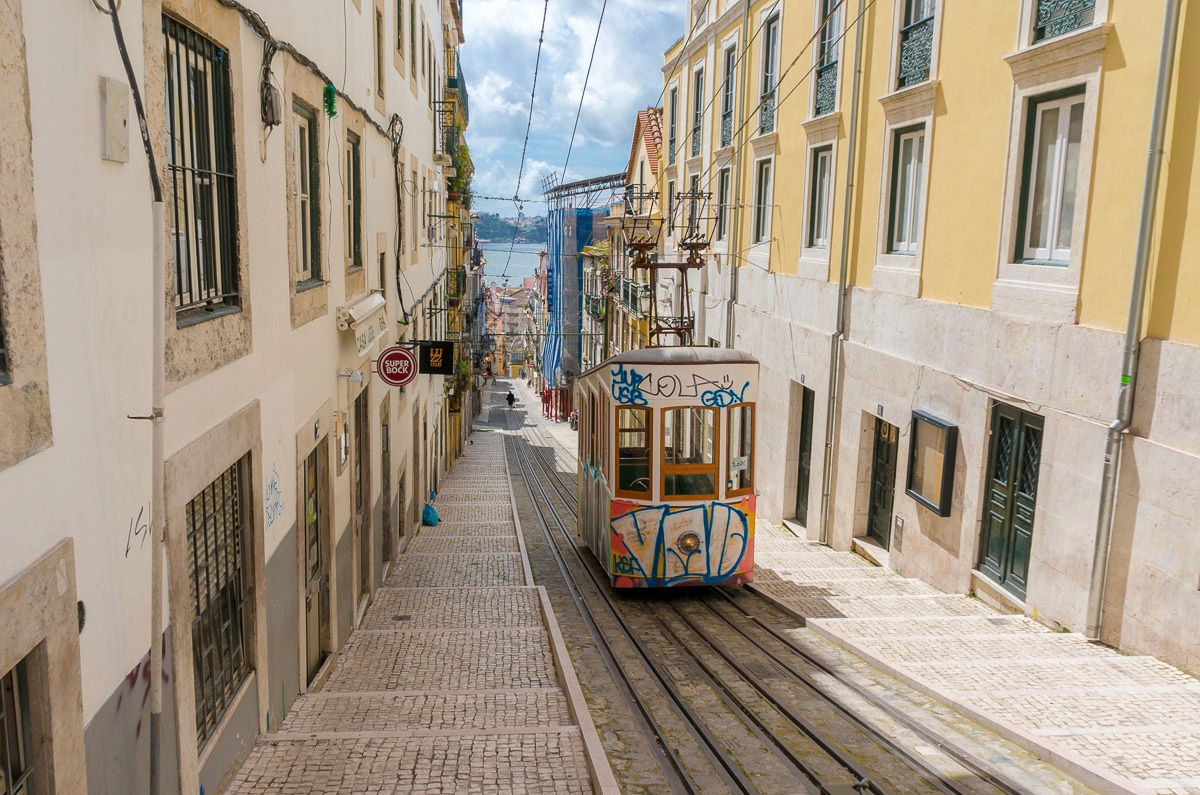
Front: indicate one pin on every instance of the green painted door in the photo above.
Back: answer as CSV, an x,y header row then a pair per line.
x,y
804,470
883,482
1013,462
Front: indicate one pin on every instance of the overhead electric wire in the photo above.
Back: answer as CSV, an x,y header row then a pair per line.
x,y
583,93
516,198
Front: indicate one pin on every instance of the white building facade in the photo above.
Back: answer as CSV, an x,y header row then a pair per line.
x,y
297,147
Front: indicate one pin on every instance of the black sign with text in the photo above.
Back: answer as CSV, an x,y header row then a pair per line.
x,y
436,358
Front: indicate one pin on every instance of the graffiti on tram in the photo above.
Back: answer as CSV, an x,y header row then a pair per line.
x,y
646,551
633,388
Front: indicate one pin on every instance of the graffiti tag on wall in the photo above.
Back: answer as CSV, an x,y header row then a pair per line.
x,y
273,498
139,527
633,388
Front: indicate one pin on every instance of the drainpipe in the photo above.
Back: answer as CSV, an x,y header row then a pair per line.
x,y
1133,326
735,235
158,516
839,334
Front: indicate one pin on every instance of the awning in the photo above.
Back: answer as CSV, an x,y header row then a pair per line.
x,y
366,318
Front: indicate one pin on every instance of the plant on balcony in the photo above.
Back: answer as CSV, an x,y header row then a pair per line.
x,y
464,171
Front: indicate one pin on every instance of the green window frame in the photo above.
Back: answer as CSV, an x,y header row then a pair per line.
x,y
353,199
306,173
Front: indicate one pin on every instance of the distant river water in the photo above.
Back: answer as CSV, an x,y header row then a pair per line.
x,y
522,262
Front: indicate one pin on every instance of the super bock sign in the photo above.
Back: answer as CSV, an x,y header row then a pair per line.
x,y
396,366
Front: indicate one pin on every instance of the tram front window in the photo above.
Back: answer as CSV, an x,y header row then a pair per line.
x,y
689,459
633,452
741,450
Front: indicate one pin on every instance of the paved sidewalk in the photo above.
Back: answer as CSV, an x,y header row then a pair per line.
x,y
1118,723
457,680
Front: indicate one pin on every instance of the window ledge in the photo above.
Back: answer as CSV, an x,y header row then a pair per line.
x,y
813,264
823,127
897,273
1055,303
309,284
1053,52
911,101
193,317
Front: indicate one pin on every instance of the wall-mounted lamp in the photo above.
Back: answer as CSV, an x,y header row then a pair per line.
x,y
353,376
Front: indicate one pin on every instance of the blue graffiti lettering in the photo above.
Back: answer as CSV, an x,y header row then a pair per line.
x,y
627,386
273,502
723,397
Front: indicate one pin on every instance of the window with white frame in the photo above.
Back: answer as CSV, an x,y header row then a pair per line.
x,y
697,110
672,125
1051,170
770,74
306,178
762,201
727,92
908,165
819,194
353,202
723,204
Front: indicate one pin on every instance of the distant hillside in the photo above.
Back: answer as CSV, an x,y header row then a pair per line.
x,y
491,226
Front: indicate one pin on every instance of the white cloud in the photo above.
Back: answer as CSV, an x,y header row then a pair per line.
x,y
498,61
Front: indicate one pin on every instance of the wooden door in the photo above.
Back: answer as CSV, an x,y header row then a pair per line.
x,y
316,589
1013,463
883,482
804,468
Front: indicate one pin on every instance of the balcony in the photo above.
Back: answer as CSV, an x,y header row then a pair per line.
x,y
826,95
596,306
916,53
766,113
445,132
727,128
1059,17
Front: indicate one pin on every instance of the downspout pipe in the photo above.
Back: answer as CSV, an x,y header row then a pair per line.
x,y
839,334
1133,326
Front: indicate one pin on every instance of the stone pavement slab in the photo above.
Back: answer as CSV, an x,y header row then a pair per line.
x,y
457,679
1119,723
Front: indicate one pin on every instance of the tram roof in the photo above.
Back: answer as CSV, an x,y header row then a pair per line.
x,y
678,354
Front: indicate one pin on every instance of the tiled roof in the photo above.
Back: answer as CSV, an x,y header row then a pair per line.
x,y
648,129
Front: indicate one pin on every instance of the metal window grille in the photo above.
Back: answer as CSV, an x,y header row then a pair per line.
x,y
825,99
16,767
200,161
215,520
1058,17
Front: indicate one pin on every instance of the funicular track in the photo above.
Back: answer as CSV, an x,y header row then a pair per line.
x,y
754,674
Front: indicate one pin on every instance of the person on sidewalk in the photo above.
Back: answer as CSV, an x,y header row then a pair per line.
x,y
511,398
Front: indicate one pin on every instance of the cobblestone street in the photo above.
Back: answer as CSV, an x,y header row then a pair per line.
x,y
451,682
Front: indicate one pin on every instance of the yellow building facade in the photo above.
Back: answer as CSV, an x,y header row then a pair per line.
x,y
926,229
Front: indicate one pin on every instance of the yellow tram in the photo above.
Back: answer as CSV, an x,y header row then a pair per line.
x,y
666,466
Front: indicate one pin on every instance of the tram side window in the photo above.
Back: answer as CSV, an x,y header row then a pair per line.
x,y
741,450
633,451
689,460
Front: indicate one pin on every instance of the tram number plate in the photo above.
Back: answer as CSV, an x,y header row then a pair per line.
x,y
738,463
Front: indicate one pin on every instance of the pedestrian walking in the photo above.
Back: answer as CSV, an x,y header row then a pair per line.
x,y
511,398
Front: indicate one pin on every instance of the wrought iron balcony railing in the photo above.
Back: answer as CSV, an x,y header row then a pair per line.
x,y
696,140
727,128
766,113
916,52
1059,17
596,306
826,99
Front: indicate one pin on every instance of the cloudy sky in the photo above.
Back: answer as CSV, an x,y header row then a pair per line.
x,y
498,59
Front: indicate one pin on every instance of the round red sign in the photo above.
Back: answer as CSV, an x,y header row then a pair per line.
x,y
396,366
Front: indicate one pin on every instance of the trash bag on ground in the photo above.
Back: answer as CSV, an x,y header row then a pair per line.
x,y
429,516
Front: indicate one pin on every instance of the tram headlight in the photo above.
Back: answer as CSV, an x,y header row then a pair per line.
x,y
688,543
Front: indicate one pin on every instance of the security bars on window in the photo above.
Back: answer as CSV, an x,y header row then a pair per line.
x,y
200,161
215,521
